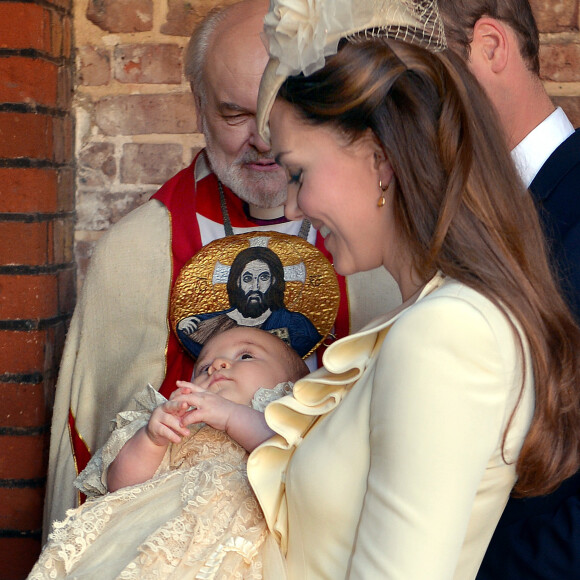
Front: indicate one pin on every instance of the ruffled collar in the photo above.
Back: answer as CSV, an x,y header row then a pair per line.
x,y
314,396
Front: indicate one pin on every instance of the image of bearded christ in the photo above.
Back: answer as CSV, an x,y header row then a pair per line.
x,y
255,290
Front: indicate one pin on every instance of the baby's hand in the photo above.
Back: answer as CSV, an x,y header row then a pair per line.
x,y
164,425
205,407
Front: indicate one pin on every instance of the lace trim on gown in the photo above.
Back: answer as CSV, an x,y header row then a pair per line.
x,y
196,518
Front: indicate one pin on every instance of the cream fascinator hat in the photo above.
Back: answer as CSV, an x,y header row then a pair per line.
x,y
300,34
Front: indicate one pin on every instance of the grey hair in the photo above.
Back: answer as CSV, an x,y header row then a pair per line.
x,y
196,52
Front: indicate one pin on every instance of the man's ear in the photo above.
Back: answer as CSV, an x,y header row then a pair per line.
x,y
490,45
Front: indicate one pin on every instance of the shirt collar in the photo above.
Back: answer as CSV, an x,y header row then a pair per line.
x,y
533,151
201,168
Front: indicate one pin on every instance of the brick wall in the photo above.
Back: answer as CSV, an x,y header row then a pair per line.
x,y
134,126
37,288
135,117
559,24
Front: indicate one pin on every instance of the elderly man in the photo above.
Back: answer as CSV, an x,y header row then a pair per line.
x,y
536,538
119,339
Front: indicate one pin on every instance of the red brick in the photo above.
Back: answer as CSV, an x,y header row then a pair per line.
x,y
94,66
146,114
26,135
560,62
55,337
63,235
66,189
28,297
571,106
63,139
66,290
24,243
65,89
67,47
46,30
28,80
22,456
50,243
21,508
22,405
60,35
28,190
121,15
67,4
555,15
57,35
18,555
36,33
148,63
22,352
183,15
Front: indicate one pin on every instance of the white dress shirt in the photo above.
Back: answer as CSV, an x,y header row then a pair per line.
x,y
534,149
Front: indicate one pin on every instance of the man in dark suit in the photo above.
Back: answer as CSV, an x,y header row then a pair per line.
x,y
536,538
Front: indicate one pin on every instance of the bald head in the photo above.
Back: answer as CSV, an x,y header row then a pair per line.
x,y
226,33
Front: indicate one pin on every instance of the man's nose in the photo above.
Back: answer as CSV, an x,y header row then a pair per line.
x,y
256,141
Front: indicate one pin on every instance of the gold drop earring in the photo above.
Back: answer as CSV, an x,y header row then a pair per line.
x,y
382,199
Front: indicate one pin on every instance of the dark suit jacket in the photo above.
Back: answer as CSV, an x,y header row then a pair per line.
x,y
539,538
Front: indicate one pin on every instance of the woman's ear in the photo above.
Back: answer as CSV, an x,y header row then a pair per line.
x,y
386,172
378,158
382,164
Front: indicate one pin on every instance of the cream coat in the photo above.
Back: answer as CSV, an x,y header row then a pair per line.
x,y
388,461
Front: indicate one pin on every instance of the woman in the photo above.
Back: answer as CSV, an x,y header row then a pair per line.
x,y
396,459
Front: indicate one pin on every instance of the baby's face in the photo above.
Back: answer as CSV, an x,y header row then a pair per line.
x,y
236,363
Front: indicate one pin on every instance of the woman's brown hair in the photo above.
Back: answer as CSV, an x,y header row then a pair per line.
x,y
463,210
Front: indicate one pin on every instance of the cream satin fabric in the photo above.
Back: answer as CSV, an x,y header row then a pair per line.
x,y
388,464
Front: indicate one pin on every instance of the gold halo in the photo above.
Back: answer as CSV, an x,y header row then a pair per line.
x,y
316,296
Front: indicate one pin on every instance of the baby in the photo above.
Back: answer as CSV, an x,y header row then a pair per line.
x,y
180,502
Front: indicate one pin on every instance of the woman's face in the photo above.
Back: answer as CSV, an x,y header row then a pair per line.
x,y
336,186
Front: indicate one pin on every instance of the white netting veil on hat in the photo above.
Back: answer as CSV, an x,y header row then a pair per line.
x,y
300,34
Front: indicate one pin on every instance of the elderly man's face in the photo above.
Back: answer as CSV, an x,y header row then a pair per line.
x,y
239,157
